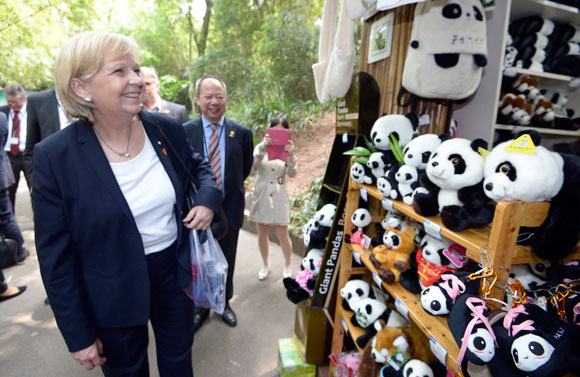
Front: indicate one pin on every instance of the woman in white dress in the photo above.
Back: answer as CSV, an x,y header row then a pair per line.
x,y
270,204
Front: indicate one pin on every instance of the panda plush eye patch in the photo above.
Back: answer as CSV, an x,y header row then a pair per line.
x,y
508,169
458,163
453,11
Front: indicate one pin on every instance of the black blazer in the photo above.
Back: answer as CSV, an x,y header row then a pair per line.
x,y
90,251
6,175
42,121
239,159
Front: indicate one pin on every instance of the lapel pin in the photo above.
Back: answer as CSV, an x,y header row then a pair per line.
x,y
158,142
232,133
164,151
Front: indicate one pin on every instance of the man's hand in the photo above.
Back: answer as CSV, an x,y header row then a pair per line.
x,y
90,357
199,218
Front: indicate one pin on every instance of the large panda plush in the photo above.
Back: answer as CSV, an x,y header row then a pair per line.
x,y
456,170
541,176
318,234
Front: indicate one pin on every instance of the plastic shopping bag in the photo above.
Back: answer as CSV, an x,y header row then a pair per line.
x,y
209,271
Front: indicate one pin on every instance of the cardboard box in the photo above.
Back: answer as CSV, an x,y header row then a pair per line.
x,y
291,359
313,330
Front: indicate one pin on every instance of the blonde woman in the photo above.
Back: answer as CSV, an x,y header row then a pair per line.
x,y
110,225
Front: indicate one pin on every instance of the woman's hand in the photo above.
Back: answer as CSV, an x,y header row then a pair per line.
x,y
90,357
267,140
198,218
289,148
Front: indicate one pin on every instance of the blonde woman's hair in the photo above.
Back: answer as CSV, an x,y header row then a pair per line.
x,y
81,57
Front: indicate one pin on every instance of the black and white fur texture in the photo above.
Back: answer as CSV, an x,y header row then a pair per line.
x,y
356,290
456,170
542,176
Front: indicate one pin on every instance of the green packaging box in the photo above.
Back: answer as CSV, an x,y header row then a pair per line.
x,y
290,359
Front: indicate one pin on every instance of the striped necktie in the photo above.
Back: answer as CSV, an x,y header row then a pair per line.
x,y
15,147
214,156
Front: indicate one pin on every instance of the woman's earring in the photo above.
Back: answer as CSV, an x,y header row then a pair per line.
x,y
88,99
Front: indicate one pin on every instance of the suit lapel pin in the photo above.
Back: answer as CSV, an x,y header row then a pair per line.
x,y
232,133
164,151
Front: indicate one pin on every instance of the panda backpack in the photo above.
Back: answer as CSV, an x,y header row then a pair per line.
x,y
448,49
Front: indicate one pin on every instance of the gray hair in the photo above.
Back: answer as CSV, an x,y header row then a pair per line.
x,y
14,91
149,72
199,81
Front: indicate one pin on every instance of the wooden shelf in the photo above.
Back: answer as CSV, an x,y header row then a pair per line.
x,y
432,326
477,239
548,9
354,331
544,131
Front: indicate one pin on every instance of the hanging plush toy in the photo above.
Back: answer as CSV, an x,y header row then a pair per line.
x,y
456,168
522,169
392,258
302,286
434,258
439,298
539,344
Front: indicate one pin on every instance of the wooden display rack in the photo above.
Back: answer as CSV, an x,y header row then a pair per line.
x,y
495,244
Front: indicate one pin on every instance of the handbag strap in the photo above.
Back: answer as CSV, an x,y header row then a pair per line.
x,y
193,180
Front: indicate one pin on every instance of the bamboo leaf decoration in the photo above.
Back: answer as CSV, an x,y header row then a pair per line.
x,y
397,152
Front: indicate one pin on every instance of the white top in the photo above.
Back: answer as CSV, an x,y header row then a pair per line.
x,y
23,116
151,197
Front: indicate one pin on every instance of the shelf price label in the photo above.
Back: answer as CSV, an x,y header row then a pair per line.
x,y
510,71
356,256
424,120
402,308
364,194
377,279
437,349
388,204
345,326
345,138
433,229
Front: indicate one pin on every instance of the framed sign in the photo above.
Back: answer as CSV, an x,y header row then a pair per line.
x,y
381,38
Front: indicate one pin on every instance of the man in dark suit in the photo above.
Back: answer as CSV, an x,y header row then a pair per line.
x,y
228,146
17,113
45,117
151,99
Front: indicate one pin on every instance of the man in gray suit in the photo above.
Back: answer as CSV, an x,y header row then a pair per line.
x,y
152,101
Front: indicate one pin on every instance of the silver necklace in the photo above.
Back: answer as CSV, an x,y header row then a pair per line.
x,y
121,154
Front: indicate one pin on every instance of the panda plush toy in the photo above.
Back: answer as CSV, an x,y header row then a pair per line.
x,y
400,127
356,290
408,180
439,298
535,177
448,49
302,286
456,170
307,229
418,152
373,315
361,218
433,259
379,164
362,174
323,219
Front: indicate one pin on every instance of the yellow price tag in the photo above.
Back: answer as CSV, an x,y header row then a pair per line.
x,y
522,144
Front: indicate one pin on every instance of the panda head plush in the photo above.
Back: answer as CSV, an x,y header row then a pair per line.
x,y
312,261
311,226
439,298
456,163
360,218
521,176
402,127
325,215
418,151
539,344
302,286
362,174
